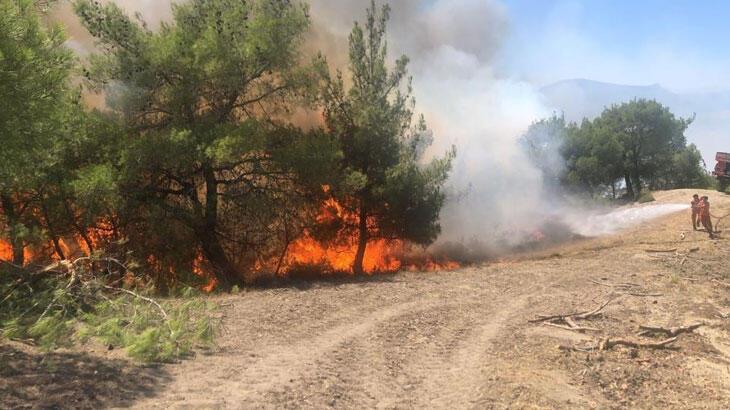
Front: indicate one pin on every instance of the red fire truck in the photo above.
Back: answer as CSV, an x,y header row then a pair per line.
x,y
722,171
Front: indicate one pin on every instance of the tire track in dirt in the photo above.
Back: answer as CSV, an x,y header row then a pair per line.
x,y
458,385
432,356
251,378
298,361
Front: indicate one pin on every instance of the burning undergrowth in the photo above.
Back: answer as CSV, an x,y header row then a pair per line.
x,y
315,255
329,248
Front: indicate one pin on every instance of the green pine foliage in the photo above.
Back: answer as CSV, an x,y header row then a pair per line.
x,y
635,146
53,313
382,176
34,71
207,165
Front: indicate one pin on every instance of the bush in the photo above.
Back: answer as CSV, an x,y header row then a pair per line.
x,y
54,311
646,197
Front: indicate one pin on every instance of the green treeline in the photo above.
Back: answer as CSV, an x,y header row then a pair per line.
x,y
630,148
196,153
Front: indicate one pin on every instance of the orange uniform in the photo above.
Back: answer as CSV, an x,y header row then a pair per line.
x,y
704,208
695,213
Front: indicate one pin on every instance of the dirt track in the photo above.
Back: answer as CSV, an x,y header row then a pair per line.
x,y
462,340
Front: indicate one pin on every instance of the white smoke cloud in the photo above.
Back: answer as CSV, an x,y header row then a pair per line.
x,y
452,45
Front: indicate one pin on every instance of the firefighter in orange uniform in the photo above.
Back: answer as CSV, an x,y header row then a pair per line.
x,y
695,211
705,216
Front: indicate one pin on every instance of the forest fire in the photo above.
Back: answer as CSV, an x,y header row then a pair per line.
x,y
73,247
307,254
338,254
6,251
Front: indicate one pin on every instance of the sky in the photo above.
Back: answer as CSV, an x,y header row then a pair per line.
x,y
682,45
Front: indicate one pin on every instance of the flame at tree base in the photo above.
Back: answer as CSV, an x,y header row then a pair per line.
x,y
381,256
338,255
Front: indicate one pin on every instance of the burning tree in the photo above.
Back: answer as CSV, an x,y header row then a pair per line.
x,y
47,138
384,182
206,163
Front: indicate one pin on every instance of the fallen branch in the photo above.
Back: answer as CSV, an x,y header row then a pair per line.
x,y
608,343
672,331
58,295
641,295
582,349
593,312
673,250
567,322
146,299
577,315
575,328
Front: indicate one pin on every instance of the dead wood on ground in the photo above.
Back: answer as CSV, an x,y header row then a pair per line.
x,y
671,331
568,321
608,343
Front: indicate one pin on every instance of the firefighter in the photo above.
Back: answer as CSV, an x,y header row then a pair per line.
x,y
705,216
695,211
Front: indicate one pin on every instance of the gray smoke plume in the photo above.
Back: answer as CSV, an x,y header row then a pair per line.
x,y
495,193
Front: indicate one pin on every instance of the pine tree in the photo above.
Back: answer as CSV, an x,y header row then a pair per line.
x,y
207,163
384,182
35,67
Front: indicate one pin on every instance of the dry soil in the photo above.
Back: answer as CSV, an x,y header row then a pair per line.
x,y
448,340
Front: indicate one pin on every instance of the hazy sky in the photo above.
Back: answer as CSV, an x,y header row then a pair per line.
x,y
683,45
498,53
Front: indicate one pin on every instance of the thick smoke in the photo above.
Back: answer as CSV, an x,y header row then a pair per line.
x,y
496,194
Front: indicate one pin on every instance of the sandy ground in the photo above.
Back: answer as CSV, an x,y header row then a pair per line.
x,y
444,340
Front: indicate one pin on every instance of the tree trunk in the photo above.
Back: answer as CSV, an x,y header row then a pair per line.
x,y
629,186
637,184
80,230
362,242
225,272
51,231
636,175
16,244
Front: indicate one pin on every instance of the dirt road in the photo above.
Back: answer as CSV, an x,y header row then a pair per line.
x,y
462,339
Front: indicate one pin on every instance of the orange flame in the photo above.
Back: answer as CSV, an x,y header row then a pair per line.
x,y
6,251
381,255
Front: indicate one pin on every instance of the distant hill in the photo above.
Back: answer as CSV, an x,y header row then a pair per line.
x,y
580,98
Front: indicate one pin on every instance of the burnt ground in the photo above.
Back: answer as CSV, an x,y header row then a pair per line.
x,y
443,340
